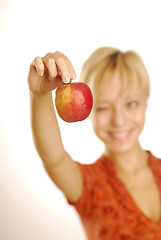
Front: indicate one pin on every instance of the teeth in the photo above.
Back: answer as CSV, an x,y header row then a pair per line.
x,y
119,135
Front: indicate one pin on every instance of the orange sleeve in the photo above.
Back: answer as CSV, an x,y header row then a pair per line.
x,y
83,204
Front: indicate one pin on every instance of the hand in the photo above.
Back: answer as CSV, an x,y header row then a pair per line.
x,y
47,73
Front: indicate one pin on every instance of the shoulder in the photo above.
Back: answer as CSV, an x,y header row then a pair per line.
x,y
153,159
93,177
93,171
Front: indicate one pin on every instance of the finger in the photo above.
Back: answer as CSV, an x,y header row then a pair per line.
x,y
39,66
68,63
70,68
63,68
52,68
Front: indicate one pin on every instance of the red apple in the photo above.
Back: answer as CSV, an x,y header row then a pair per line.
x,y
73,101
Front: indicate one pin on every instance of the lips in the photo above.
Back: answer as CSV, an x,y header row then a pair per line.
x,y
120,136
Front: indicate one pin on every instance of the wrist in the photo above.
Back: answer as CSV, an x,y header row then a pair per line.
x,y
40,94
36,96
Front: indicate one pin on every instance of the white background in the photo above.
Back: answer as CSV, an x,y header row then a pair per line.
x,y
31,207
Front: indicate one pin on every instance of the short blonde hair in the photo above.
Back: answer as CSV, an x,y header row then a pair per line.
x,y
129,65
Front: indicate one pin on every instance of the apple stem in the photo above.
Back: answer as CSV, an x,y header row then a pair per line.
x,y
70,81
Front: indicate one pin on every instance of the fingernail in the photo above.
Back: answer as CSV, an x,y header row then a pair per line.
x,y
66,80
41,73
51,78
73,76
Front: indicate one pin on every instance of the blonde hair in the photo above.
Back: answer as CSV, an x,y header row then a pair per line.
x,y
129,65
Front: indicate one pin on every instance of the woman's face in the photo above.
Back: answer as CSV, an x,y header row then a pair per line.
x,y
118,117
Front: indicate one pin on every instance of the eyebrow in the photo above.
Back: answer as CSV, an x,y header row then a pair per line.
x,y
104,102
134,96
108,101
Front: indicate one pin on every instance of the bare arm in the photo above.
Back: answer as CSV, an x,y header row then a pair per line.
x,y
45,75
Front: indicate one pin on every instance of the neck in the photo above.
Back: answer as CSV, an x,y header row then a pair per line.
x,y
129,161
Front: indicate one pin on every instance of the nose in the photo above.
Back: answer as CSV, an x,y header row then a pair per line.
x,y
118,117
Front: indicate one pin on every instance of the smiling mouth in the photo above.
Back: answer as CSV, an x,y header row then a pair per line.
x,y
120,136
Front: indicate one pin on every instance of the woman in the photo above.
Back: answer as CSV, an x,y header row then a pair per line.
x,y
117,197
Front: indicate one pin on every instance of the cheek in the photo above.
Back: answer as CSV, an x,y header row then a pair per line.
x,y
139,118
100,120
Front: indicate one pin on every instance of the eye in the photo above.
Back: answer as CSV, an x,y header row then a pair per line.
x,y
132,104
102,108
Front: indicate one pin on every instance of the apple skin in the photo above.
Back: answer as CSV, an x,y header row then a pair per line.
x,y
73,101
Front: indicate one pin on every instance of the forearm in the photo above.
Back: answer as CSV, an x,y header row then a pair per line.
x,y
46,133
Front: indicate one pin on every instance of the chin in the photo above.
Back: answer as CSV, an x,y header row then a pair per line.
x,y
121,148
122,144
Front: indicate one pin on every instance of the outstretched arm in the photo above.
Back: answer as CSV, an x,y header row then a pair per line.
x,y
45,75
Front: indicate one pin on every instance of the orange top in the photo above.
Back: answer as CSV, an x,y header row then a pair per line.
x,y
106,208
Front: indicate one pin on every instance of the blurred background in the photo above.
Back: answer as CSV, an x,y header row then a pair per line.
x,y
31,207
